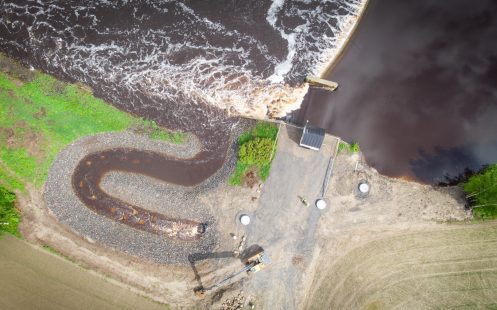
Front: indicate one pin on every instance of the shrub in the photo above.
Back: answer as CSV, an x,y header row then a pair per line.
x,y
349,148
261,130
354,147
256,152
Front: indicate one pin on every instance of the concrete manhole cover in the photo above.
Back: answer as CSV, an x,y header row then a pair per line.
x,y
321,204
363,188
245,219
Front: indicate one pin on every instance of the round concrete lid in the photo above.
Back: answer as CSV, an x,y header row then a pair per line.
x,y
321,204
245,219
364,188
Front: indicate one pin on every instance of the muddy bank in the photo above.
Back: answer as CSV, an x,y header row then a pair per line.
x,y
417,88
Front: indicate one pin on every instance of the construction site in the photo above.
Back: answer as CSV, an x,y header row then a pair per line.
x,y
269,245
164,220
192,155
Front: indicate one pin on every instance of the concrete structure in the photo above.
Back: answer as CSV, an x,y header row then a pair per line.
x,y
312,137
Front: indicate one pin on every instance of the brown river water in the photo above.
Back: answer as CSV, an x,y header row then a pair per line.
x,y
186,172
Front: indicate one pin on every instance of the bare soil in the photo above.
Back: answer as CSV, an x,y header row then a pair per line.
x,y
32,278
432,267
405,246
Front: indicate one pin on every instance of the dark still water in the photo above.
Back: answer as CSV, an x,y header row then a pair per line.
x,y
418,88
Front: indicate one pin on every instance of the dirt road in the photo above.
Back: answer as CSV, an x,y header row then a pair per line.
x,y
284,227
31,278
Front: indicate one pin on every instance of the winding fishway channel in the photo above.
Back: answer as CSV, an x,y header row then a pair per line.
x,y
187,172
141,196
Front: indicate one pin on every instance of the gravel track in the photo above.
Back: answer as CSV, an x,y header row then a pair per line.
x,y
146,192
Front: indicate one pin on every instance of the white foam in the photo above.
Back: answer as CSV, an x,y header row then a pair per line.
x,y
284,67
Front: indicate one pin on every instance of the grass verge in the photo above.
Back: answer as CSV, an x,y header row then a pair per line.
x,y
54,251
262,132
157,133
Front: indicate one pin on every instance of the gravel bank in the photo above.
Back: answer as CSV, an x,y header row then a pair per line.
x,y
145,192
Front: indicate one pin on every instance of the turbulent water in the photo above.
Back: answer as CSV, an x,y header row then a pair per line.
x,y
245,57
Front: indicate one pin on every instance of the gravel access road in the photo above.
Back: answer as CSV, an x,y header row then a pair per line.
x,y
283,226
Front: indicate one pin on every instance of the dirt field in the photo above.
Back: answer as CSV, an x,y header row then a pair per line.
x,y
31,278
449,266
404,246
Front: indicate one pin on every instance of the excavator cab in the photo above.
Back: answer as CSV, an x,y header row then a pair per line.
x,y
257,262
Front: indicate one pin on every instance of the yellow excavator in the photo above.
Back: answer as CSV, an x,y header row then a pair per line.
x,y
253,264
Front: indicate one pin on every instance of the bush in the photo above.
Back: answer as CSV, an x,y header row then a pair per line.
x,y
354,147
9,216
261,130
256,152
349,148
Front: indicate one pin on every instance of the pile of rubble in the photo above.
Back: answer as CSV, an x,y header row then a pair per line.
x,y
234,303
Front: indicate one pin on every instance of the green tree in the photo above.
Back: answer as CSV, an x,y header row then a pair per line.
x,y
481,191
9,216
